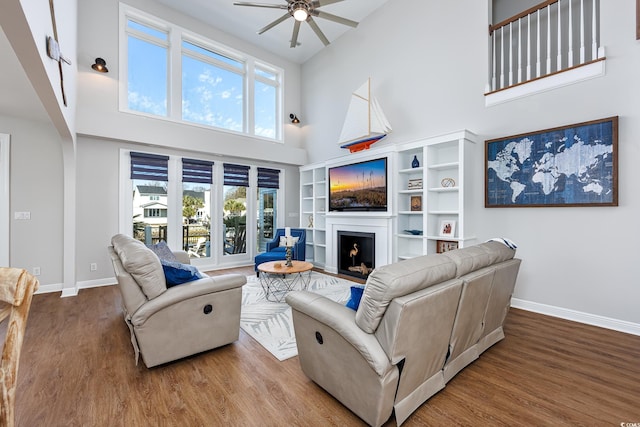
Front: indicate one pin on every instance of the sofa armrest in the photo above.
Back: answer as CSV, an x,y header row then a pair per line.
x,y
196,288
342,320
182,256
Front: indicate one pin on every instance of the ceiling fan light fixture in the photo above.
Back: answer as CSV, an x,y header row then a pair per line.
x,y
300,15
299,9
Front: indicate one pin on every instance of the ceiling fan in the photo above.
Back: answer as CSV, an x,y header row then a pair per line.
x,y
301,11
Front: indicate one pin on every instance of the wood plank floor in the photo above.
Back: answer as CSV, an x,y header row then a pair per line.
x,y
77,369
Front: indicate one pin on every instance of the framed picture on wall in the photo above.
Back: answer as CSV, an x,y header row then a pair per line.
x,y
574,165
447,228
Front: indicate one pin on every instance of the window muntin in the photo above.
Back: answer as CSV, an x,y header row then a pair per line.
x,y
191,48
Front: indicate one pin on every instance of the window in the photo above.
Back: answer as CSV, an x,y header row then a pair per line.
x,y
212,88
268,185
149,173
197,179
147,65
210,85
155,213
234,215
266,103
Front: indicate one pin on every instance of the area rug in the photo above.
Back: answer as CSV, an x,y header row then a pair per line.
x,y
271,324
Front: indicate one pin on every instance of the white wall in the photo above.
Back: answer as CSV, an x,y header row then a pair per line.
x,y
429,74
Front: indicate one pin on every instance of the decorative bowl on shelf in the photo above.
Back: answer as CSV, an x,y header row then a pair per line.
x,y
414,232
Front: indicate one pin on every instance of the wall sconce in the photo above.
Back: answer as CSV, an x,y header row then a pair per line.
x,y
100,66
294,119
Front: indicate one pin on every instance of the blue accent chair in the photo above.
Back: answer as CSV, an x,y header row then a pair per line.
x,y
275,252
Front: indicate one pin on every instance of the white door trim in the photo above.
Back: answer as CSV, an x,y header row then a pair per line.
x,y
5,206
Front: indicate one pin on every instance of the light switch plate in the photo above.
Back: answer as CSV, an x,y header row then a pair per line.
x,y
22,215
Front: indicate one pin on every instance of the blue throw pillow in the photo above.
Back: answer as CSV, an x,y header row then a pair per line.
x,y
356,296
162,251
176,273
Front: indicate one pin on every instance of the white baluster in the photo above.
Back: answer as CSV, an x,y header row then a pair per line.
x,y
594,43
493,74
582,31
538,46
570,52
529,47
549,39
510,54
519,50
501,57
559,56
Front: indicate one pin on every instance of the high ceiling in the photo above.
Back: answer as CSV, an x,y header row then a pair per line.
x,y
244,22
19,99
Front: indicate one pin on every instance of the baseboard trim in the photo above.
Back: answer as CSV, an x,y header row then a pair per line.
x,y
578,316
47,289
86,284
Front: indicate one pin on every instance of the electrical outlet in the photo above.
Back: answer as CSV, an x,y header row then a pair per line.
x,y
36,271
93,266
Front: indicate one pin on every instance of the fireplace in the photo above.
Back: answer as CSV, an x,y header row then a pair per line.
x,y
356,253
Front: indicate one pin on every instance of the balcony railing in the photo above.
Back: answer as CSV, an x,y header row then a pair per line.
x,y
547,39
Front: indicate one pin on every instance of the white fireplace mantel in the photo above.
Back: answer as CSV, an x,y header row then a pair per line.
x,y
381,224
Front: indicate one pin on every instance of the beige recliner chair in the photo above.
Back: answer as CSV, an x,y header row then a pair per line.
x,y
169,324
420,322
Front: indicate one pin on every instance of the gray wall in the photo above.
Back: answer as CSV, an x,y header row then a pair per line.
x,y
36,187
430,79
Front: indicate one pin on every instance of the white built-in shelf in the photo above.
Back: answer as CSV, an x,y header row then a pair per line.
x,y
411,170
453,212
443,166
410,236
444,189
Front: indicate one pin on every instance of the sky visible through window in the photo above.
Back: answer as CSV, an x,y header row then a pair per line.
x,y
213,85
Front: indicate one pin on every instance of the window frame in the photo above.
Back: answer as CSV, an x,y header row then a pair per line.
x,y
175,51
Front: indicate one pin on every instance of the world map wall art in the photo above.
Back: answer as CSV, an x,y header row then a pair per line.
x,y
575,165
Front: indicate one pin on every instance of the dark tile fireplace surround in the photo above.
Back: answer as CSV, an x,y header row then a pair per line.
x,y
356,253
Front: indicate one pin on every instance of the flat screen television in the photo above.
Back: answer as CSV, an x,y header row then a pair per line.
x,y
358,187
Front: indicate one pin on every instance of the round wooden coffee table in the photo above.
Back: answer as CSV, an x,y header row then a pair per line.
x,y
277,279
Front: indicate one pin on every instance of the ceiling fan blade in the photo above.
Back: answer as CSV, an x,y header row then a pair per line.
x,y
316,30
274,23
320,3
294,37
334,18
271,6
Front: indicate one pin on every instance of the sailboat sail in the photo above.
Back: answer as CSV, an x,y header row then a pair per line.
x,y
365,122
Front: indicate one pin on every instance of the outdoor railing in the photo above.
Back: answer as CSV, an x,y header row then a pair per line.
x,y
549,38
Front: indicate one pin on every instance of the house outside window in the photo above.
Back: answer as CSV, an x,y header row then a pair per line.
x,y
210,85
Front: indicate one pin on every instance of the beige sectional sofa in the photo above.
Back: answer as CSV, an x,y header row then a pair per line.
x,y
420,322
167,324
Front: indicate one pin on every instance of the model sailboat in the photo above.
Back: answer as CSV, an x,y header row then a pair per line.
x,y
365,123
